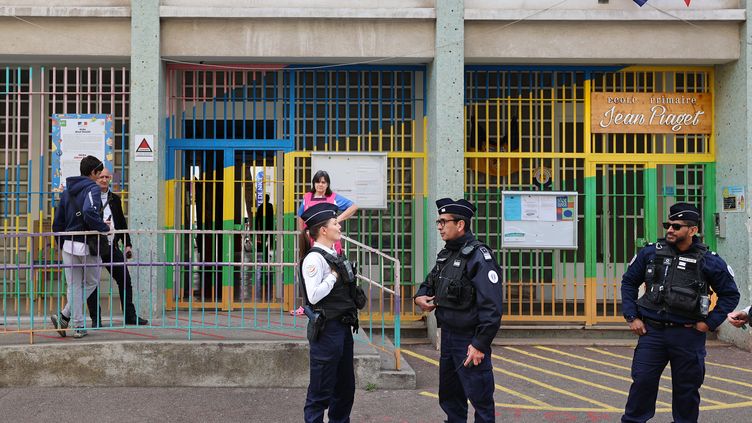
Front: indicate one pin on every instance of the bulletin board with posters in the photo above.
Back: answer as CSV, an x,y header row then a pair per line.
x,y
75,136
535,220
360,177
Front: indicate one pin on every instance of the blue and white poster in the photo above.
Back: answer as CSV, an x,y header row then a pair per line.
x,y
76,136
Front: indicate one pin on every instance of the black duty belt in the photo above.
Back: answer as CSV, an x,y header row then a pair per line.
x,y
661,324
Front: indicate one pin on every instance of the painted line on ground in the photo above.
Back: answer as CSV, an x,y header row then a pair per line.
x,y
604,407
499,387
535,408
563,376
718,378
586,369
126,332
663,377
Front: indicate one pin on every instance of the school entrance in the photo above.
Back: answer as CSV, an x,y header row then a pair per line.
x,y
531,130
239,157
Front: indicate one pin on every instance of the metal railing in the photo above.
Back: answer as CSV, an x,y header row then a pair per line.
x,y
245,282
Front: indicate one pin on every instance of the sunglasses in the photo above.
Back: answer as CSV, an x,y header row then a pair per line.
x,y
675,226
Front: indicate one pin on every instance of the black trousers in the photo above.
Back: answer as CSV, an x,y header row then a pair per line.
x,y
332,381
115,264
684,348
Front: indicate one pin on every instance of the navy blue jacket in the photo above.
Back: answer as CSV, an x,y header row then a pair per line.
x,y
482,319
716,271
87,195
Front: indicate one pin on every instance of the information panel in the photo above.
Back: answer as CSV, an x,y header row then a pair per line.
x,y
361,177
535,219
76,136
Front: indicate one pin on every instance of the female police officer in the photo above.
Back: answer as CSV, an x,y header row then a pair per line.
x,y
329,290
465,289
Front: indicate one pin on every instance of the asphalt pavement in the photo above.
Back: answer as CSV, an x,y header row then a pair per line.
x,y
534,384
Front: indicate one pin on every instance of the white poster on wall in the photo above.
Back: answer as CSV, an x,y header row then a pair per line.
x,y
361,177
81,137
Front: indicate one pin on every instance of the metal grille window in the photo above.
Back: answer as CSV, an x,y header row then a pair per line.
x,y
525,130
28,97
257,110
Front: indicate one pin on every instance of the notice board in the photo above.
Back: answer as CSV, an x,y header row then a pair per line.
x,y
361,177
535,219
75,136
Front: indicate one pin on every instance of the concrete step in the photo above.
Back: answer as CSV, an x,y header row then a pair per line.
x,y
375,366
408,329
392,378
415,341
252,364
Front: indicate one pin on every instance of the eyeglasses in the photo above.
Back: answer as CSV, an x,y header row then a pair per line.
x,y
442,222
675,226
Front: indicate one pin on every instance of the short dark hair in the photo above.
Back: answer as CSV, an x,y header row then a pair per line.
x,y
90,164
692,223
318,175
465,219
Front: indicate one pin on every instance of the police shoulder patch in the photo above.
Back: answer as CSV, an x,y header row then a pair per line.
x,y
730,270
486,253
493,276
311,270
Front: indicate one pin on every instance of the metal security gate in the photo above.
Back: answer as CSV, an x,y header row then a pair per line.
x,y
207,205
224,120
29,96
528,129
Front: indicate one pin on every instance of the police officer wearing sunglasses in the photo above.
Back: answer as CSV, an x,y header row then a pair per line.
x,y
672,317
465,289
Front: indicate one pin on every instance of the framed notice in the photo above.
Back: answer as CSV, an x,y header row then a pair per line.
x,y
75,137
361,177
538,219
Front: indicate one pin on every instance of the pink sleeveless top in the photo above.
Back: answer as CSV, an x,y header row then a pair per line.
x,y
309,200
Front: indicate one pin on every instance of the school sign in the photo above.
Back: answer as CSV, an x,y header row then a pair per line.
x,y
651,113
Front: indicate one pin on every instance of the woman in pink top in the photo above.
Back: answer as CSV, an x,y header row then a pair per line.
x,y
321,192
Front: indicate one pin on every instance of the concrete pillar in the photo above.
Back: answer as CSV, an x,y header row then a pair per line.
x,y
733,130
446,144
146,177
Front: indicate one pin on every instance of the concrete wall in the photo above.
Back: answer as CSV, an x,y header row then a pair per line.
x,y
64,39
298,40
66,3
733,126
601,42
371,4
594,5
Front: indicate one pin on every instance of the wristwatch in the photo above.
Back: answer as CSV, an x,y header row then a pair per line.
x,y
630,318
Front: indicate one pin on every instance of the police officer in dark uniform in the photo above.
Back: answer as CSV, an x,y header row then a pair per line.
x,y
328,286
672,317
465,289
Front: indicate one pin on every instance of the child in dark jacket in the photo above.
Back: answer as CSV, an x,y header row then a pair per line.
x,y
80,209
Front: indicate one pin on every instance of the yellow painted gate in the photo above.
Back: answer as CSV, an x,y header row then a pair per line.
x,y
528,129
